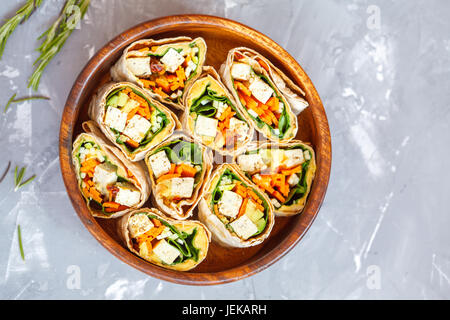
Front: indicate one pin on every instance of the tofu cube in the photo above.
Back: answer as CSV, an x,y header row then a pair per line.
x,y
172,60
251,163
220,107
293,180
241,71
293,158
244,227
205,126
139,224
159,163
230,203
115,119
238,127
166,252
261,90
127,195
275,203
137,128
139,66
181,187
104,175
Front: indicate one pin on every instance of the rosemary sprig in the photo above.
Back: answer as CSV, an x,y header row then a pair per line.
x,y
11,24
19,236
13,100
9,102
18,176
56,36
5,172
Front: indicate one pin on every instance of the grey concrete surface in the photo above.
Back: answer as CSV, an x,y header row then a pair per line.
x,y
383,230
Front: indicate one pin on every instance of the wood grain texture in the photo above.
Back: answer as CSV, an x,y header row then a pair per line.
x,y
221,265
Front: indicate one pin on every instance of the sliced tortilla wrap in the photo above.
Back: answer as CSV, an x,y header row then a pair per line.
x,y
164,68
213,118
284,171
131,119
178,169
171,244
236,212
270,98
110,183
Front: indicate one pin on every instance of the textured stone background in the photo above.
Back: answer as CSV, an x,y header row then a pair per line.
x,y
383,229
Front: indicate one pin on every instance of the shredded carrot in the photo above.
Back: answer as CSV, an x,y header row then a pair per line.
x,y
181,75
288,172
111,204
147,83
167,176
273,104
132,143
242,208
156,222
278,195
132,113
185,170
144,49
263,64
240,86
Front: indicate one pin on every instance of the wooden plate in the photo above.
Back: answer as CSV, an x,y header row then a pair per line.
x,y
221,265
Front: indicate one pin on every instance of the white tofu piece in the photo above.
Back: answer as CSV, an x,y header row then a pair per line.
x,y
244,227
220,106
238,127
251,162
104,175
261,90
205,126
293,180
166,252
127,197
275,203
181,187
241,71
137,128
307,155
230,203
293,157
115,119
139,224
159,163
139,66
191,66
172,60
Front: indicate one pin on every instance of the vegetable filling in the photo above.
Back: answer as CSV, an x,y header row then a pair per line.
x,y
152,235
281,173
240,207
108,187
165,69
259,97
133,119
177,168
218,121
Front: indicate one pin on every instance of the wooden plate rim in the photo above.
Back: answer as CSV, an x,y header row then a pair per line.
x,y
323,151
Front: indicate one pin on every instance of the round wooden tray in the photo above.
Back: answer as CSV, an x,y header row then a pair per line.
x,y
222,265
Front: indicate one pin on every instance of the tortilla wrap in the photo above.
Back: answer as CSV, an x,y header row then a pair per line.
x,y
183,208
198,90
284,89
268,151
133,172
201,239
220,232
121,70
97,112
